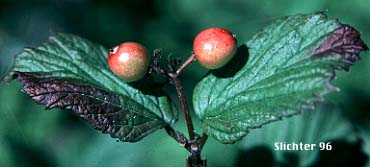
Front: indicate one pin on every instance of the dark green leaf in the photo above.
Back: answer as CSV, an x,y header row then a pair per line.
x,y
290,65
72,73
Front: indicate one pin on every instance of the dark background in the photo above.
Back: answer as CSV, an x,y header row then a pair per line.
x,y
30,136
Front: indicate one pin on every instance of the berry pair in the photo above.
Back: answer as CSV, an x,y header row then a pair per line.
x,y
213,48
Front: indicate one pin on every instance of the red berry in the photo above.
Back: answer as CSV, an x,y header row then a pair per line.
x,y
214,47
129,60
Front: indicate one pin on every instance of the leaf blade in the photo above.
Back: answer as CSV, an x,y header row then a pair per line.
x,y
290,66
106,111
68,57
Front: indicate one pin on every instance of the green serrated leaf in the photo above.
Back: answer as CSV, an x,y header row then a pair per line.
x,y
290,65
70,60
322,126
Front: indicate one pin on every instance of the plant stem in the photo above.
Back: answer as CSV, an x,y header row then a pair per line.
x,y
202,141
184,106
176,81
178,136
195,143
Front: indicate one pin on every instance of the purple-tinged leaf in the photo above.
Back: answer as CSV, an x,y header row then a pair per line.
x,y
72,73
290,67
108,112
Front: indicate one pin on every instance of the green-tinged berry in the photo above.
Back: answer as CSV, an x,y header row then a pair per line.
x,y
129,61
214,47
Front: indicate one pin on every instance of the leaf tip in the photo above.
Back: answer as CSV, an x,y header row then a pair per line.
x,y
344,41
8,78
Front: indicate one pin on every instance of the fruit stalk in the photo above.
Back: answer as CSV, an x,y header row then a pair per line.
x,y
186,63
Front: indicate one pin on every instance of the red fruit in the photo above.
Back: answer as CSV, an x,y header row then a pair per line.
x,y
129,60
214,47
